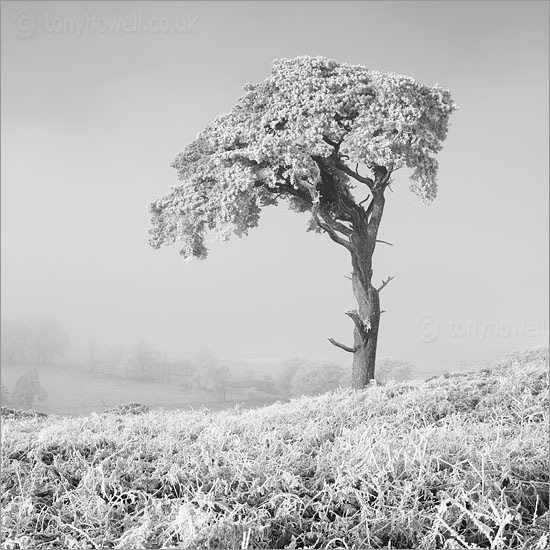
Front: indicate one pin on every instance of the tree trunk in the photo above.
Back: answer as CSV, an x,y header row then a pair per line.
x,y
367,323
360,240
365,333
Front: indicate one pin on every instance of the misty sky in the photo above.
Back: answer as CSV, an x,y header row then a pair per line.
x,y
92,117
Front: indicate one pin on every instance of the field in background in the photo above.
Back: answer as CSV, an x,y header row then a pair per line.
x,y
458,462
75,391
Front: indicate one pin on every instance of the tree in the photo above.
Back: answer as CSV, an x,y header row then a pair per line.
x,y
47,340
26,389
209,375
111,362
290,366
220,381
264,382
139,362
312,132
144,362
15,338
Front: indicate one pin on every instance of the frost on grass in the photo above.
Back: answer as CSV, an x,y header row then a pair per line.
x,y
128,408
453,463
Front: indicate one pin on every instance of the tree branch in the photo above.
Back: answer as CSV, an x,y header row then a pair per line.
x,y
384,242
287,187
347,170
341,346
366,199
334,144
355,211
331,232
335,224
384,283
362,327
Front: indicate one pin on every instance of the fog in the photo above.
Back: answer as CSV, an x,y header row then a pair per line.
x,y
92,120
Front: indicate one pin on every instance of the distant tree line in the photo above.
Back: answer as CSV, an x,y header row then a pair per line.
x,y
139,361
143,362
205,372
41,341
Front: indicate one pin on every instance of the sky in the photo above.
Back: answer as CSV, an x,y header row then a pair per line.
x,y
98,98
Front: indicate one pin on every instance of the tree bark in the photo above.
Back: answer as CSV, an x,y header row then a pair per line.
x,y
363,241
365,337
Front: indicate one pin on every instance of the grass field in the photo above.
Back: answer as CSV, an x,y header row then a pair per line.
x,y
457,462
75,391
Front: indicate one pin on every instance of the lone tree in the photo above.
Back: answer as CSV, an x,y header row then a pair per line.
x,y
325,136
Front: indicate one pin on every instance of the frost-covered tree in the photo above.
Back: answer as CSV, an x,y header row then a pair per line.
x,y
27,389
326,137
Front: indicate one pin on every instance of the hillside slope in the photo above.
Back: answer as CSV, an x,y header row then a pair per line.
x,y
458,462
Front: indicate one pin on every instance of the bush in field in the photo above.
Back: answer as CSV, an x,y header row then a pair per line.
x,y
209,374
264,382
206,364
314,378
144,362
4,395
393,369
27,389
111,361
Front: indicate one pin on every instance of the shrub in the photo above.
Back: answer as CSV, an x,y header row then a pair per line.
x,y
4,395
27,389
314,378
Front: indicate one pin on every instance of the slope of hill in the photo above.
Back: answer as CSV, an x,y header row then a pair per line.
x,y
457,462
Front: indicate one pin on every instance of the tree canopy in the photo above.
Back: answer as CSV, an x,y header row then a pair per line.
x,y
302,135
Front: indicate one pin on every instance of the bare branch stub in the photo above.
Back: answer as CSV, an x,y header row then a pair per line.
x,y
341,346
384,283
354,316
384,242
